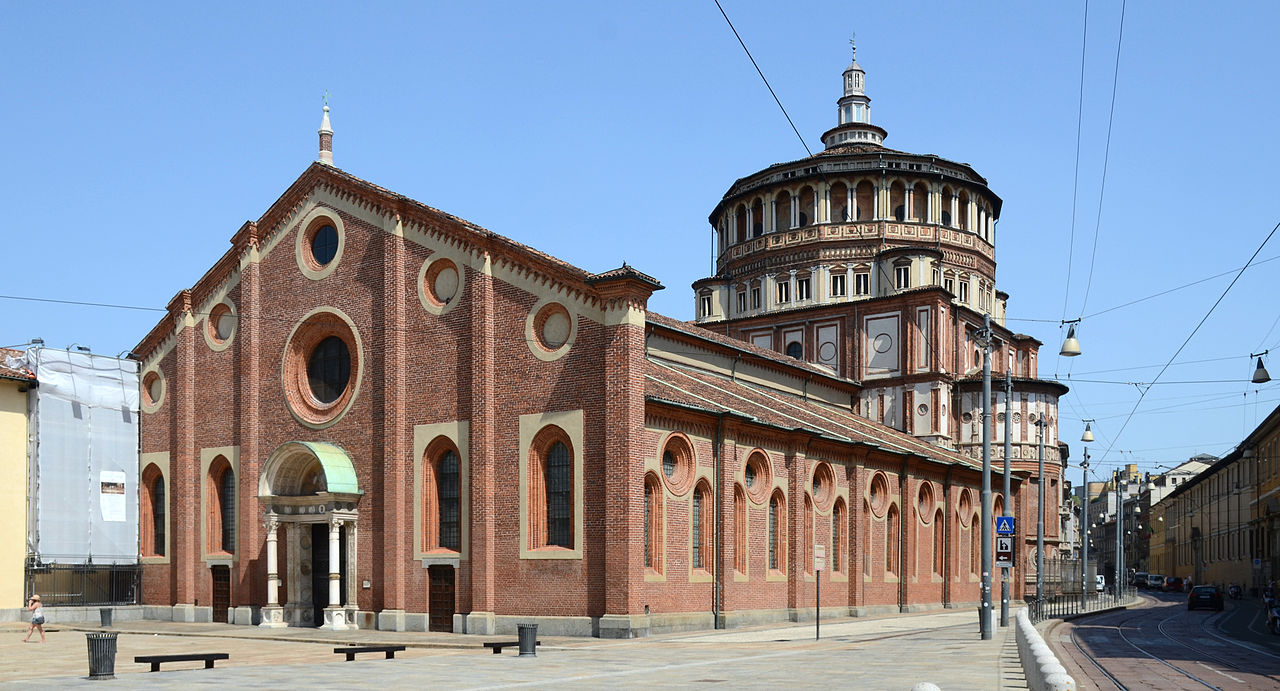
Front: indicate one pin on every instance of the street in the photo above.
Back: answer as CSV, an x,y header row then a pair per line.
x,y
1160,644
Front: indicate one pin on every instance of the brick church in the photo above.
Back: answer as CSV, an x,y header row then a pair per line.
x,y
369,413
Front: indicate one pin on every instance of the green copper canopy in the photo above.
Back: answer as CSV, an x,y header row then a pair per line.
x,y
339,472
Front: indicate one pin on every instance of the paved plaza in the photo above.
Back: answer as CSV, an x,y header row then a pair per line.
x,y
865,653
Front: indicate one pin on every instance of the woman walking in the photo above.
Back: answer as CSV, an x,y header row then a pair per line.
x,y
37,618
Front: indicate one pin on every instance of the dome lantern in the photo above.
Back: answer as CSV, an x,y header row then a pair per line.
x,y
853,111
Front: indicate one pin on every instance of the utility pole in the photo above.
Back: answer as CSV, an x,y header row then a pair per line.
x,y
1008,451
1085,586
985,623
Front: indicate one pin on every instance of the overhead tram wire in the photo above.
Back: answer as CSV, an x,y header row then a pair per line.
x,y
1191,335
763,78
1075,187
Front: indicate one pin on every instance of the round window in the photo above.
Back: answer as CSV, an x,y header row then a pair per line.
x,y
824,485
668,463
152,390
222,323
440,282
321,368
750,477
324,244
678,464
879,494
757,477
329,369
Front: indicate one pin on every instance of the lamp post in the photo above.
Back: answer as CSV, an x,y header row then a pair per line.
x,y
1040,516
1084,534
1119,533
1008,451
986,612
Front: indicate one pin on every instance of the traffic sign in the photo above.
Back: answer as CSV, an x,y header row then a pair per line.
x,y
819,557
1004,525
1004,551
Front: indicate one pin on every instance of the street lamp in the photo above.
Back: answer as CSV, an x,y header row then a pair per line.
x,y
1070,347
1260,375
984,337
1084,524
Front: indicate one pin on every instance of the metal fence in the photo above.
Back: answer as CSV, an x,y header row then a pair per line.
x,y
1061,596
84,585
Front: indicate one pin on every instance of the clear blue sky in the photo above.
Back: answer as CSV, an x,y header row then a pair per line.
x,y
139,137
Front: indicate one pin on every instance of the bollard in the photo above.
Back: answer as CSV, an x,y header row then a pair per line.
x,y
105,614
102,654
528,639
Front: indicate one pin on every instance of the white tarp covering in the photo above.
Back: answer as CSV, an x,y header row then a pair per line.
x,y
84,460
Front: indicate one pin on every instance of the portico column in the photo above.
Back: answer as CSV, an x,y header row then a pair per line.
x,y
273,570
335,572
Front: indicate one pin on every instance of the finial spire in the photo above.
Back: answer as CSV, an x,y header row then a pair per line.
x,y
326,134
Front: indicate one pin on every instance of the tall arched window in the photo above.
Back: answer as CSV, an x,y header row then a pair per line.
x,y
806,532
975,549
653,522
777,533
739,529
938,544
838,537
701,547
891,541
447,501
151,523
158,510
559,496
866,200
222,506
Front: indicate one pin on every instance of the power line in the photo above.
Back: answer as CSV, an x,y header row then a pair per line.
x,y
1075,187
1106,158
1193,333
764,79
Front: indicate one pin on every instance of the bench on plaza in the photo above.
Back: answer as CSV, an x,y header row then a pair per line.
x,y
499,645
156,660
351,651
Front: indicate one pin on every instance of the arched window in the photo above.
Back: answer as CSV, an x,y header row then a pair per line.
x,y
777,533
938,543
839,526
782,211
152,513
757,218
222,506
559,496
975,548
898,201
740,224
947,200
701,526
739,529
963,211
653,523
806,201
866,552
806,533
838,200
891,541
447,496
919,202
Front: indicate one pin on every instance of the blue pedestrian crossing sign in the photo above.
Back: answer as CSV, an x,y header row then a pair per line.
x,y
1004,525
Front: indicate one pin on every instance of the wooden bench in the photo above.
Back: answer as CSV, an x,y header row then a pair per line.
x,y
155,660
351,651
498,646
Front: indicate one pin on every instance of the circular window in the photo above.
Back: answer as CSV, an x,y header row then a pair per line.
x,y
922,410
758,477
551,329
320,243
220,326
324,244
153,386
677,464
882,343
879,494
824,485
329,369
999,417
925,501
1017,418
795,350
827,352
966,508
321,368
966,418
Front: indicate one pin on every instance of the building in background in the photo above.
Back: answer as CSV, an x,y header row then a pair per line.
x,y
79,530
16,382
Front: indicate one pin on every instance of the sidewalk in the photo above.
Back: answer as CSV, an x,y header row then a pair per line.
x,y
882,652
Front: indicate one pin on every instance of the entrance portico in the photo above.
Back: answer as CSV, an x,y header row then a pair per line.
x,y
310,489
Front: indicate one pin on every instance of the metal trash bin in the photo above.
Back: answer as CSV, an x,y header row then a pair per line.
x,y
102,654
105,614
528,639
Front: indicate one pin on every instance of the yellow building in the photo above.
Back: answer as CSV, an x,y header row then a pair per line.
x,y
1264,514
14,384
1159,552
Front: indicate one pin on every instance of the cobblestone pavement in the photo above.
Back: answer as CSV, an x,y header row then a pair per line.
x,y
865,653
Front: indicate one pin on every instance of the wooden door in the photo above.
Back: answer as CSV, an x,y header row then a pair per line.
x,y
221,592
440,598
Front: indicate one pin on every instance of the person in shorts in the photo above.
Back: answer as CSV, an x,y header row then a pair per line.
x,y
37,618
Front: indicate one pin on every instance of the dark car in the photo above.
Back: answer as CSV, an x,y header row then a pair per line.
x,y
1205,596
1173,584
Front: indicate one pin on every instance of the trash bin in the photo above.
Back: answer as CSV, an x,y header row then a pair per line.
x,y
102,654
528,639
105,613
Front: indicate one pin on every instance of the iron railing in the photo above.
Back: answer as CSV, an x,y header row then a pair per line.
x,y
84,585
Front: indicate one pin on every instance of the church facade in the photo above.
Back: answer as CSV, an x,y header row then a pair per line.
x,y
372,414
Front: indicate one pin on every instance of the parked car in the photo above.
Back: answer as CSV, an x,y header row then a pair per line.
x,y
1173,584
1139,579
1155,581
1100,583
1205,596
